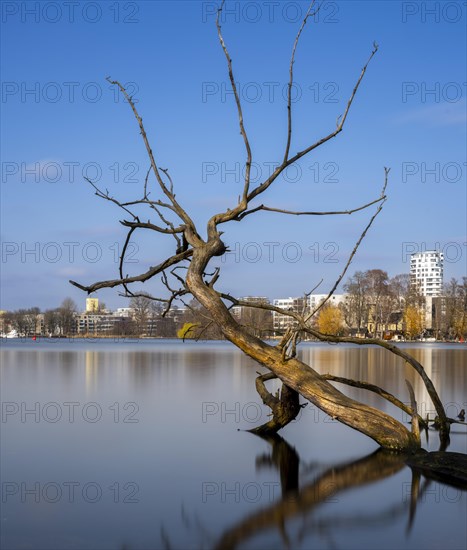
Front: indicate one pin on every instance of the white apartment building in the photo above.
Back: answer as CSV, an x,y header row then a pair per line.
x,y
237,311
426,271
300,305
297,305
316,299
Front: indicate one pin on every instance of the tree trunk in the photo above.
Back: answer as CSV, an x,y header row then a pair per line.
x,y
382,428
285,407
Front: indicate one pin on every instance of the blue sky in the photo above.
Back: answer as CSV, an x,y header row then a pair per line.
x,y
61,120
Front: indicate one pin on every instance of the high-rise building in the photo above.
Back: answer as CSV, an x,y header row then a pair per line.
x,y
426,272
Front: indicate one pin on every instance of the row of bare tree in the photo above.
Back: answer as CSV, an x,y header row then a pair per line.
x,y
373,298
58,321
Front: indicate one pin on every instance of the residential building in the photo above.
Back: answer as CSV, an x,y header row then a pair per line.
x,y
301,306
315,299
282,322
426,272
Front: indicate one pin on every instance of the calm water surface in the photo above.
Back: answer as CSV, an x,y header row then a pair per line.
x,y
140,445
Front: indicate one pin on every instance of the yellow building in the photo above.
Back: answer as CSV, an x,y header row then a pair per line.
x,y
92,305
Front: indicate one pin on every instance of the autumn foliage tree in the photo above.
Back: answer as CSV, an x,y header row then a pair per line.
x,y
331,320
413,321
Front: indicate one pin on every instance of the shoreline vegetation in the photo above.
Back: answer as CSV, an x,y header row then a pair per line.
x,y
91,337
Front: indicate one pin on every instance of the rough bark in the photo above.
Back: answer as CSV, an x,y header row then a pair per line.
x,y
284,408
443,421
380,391
384,429
447,467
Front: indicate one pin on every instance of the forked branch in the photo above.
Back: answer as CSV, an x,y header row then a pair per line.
x,y
167,192
137,278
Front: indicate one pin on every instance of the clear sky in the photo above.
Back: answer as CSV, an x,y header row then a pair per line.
x,y
61,120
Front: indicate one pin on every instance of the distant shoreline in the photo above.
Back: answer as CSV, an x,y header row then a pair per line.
x,y
175,339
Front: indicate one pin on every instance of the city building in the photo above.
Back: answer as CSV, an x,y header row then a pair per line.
x,y
237,311
315,299
256,320
92,305
426,272
124,312
301,306
282,322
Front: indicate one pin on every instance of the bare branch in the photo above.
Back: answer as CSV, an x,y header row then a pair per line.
x,y
215,277
289,87
415,425
259,305
239,109
375,389
235,213
149,203
148,225
307,294
124,205
397,351
146,179
177,208
174,293
285,405
142,295
107,197
169,224
177,276
138,278
166,172
262,187
122,258
354,251
310,213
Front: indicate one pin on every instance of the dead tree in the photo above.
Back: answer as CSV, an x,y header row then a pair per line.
x,y
187,272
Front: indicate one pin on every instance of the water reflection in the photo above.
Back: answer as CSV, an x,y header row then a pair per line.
x,y
284,459
303,502
445,365
91,367
327,495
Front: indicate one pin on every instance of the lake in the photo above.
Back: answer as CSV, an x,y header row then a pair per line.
x,y
141,444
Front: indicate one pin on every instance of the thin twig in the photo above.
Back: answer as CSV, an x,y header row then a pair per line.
x,y
354,251
239,108
289,87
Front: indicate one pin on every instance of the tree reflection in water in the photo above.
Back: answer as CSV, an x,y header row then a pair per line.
x,y
300,502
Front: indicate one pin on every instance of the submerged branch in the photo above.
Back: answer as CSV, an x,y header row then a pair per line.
x,y
285,407
444,424
375,389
